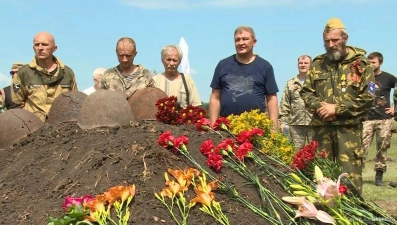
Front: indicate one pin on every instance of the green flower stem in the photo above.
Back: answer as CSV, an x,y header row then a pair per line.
x,y
232,192
170,209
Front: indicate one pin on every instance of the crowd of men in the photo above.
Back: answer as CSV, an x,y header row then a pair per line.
x,y
340,98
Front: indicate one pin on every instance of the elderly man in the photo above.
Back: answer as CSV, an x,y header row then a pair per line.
x,y
126,77
292,107
339,91
43,79
5,93
172,82
243,81
97,75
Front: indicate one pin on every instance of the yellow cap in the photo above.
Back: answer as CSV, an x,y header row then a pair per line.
x,y
334,23
16,66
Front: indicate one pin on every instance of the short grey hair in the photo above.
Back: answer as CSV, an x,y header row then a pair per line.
x,y
98,72
343,32
245,28
171,47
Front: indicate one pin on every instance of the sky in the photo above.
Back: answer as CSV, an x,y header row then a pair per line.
x,y
86,32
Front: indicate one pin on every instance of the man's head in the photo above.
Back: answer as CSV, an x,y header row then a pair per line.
x,y
97,75
15,67
335,38
304,62
376,60
44,46
244,40
126,52
171,57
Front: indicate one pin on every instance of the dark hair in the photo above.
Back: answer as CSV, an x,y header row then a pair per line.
x,y
376,55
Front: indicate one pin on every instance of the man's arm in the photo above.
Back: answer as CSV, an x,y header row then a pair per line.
x,y
215,105
285,107
308,94
18,98
272,107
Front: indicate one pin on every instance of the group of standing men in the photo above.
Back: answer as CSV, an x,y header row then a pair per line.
x,y
328,101
342,101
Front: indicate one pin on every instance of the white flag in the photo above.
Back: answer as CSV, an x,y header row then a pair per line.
x,y
185,66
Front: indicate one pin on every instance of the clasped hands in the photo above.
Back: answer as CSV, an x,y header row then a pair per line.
x,y
327,111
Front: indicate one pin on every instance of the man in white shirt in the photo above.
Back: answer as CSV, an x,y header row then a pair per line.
x,y
97,80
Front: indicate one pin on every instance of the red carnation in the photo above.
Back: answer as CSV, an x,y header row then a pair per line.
x,y
178,142
243,137
256,131
342,189
215,161
165,139
221,124
207,147
203,124
243,150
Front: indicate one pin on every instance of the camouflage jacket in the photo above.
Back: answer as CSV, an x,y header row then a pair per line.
x,y
345,84
292,107
2,103
36,89
112,79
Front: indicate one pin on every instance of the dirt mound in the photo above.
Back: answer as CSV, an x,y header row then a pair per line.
x,y
61,160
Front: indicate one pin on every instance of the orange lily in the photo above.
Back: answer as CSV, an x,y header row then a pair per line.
x,y
184,177
203,197
172,189
127,192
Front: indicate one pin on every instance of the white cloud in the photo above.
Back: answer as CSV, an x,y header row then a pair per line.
x,y
184,4
193,71
5,80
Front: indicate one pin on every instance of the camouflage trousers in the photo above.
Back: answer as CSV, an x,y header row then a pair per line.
x,y
343,144
382,130
300,135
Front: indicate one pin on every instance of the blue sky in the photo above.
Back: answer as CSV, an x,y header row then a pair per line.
x,y
86,32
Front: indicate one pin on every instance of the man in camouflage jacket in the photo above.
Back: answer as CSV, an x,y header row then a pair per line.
x,y
292,107
126,77
339,91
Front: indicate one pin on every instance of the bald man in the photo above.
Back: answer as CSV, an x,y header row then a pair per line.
x,y
37,84
126,77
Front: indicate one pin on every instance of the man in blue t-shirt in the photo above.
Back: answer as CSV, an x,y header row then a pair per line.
x,y
243,81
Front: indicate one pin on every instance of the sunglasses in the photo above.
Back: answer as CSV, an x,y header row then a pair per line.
x,y
12,73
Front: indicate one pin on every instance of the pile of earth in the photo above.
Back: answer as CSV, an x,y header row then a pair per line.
x,y
39,171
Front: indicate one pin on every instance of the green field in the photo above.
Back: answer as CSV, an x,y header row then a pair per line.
x,y
385,196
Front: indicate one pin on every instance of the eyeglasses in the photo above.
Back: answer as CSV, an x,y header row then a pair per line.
x,y
12,73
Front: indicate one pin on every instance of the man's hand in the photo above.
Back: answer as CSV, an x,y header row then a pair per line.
x,y
390,111
327,111
282,126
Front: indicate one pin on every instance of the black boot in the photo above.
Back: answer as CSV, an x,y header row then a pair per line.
x,y
378,178
393,184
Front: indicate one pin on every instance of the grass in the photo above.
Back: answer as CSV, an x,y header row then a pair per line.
x,y
384,196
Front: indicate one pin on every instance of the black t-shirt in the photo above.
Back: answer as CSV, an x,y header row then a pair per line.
x,y
384,82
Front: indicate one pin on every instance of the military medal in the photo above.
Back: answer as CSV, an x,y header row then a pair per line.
x,y
343,89
343,83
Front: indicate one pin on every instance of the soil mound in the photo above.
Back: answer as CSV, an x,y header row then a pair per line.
x,y
61,160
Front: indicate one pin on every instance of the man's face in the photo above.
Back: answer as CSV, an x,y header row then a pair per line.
x,y
244,42
44,46
375,63
171,60
335,44
13,72
126,53
303,64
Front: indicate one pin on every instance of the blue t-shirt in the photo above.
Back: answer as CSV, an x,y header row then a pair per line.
x,y
243,86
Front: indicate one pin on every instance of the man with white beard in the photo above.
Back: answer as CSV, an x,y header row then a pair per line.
x,y
339,90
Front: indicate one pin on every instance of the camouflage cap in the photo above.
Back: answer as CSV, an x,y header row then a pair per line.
x,y
334,23
16,66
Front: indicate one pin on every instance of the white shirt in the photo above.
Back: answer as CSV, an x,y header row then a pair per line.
x,y
89,90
